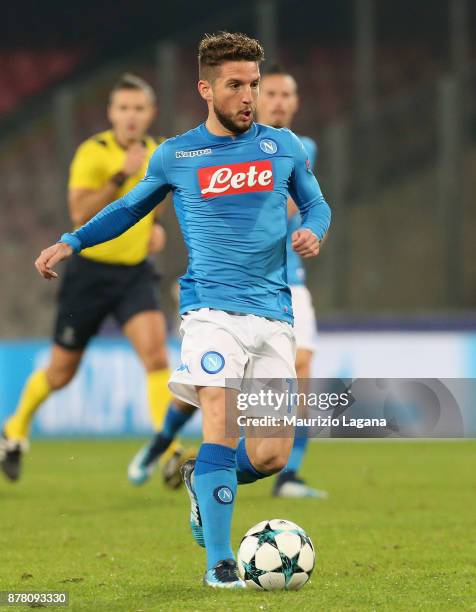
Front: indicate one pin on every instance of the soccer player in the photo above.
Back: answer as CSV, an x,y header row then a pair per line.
x,y
230,178
277,104
112,278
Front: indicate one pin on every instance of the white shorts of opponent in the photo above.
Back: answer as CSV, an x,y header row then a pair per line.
x,y
218,345
304,318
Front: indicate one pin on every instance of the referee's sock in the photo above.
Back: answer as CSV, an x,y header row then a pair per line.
x,y
158,395
35,391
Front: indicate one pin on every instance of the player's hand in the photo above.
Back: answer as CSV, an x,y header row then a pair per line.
x,y
135,157
158,238
305,243
50,257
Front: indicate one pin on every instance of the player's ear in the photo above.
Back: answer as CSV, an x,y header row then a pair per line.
x,y
109,113
296,103
205,90
154,111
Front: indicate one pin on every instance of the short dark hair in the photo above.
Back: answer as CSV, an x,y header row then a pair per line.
x,y
276,69
132,81
214,49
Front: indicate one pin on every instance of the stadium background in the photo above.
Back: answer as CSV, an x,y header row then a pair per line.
x,y
387,91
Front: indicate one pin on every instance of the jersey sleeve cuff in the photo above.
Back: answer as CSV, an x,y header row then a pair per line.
x,y
319,233
72,240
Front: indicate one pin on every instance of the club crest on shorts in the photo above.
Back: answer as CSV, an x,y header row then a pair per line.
x,y
212,362
223,495
268,146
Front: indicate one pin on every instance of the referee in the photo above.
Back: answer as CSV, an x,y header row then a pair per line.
x,y
114,278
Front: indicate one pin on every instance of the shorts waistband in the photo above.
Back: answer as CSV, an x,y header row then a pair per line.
x,y
242,314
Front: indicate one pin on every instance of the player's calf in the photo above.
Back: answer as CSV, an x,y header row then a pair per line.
x,y
63,366
269,455
214,479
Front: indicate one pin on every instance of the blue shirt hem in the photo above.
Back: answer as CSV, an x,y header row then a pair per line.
x,y
230,307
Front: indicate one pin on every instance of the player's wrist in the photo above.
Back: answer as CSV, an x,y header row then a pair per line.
x,y
72,241
312,232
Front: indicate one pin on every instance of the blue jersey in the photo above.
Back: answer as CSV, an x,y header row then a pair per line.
x,y
296,271
230,196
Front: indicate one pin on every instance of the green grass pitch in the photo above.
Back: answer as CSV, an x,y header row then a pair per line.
x,y
397,533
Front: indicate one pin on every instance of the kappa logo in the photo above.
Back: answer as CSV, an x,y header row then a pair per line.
x,y
268,146
234,179
197,153
212,362
223,495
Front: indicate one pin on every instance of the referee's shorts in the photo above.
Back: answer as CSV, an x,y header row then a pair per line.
x,y
90,291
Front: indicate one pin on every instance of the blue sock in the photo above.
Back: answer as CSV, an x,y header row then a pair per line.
x,y
215,487
245,472
174,420
299,448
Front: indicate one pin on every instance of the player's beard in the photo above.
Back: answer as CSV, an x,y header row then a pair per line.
x,y
228,123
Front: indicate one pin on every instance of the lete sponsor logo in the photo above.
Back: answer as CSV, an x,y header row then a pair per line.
x,y
236,178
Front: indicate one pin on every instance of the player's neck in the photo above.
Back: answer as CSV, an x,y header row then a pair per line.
x,y
278,126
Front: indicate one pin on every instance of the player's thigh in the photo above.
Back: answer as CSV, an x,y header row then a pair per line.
x,y
84,300
212,354
138,313
276,355
147,334
269,447
62,366
217,403
305,325
303,363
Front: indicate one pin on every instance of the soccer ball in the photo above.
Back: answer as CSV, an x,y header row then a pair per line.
x,y
275,555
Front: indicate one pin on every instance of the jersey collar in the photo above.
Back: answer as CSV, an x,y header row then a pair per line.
x,y
248,135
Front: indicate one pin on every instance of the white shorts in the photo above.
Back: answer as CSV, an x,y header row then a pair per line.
x,y
218,345
304,318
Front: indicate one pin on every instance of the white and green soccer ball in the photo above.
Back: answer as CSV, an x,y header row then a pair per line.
x,y
276,555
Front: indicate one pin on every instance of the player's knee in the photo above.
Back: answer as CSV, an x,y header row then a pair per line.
x,y
270,462
154,359
59,377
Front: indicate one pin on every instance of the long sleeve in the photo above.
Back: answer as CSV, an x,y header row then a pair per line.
x,y
306,192
125,212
